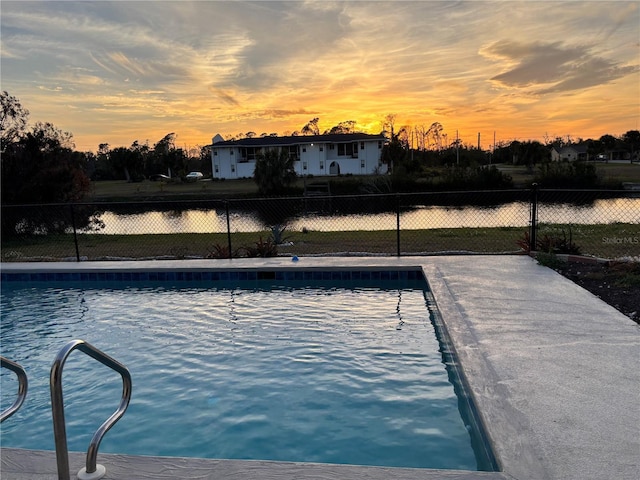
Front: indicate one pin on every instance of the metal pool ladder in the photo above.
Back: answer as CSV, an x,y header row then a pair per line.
x,y
22,387
92,471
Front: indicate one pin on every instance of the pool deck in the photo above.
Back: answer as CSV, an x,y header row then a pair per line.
x,y
553,370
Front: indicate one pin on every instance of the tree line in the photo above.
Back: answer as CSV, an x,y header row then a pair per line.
x,y
27,146
40,163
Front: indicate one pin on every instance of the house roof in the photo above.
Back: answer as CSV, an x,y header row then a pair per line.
x,y
576,147
298,140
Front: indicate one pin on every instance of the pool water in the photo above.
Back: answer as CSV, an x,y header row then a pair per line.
x,y
314,374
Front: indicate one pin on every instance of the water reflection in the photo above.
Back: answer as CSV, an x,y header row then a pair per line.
x,y
514,214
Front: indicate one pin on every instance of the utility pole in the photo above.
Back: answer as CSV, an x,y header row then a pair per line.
x,y
494,147
457,149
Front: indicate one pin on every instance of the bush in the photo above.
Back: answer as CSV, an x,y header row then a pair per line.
x,y
568,175
475,178
550,243
262,248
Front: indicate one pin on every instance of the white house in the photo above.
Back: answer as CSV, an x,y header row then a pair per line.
x,y
570,152
334,154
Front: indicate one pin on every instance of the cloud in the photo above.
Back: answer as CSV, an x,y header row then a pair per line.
x,y
283,113
225,97
552,67
272,66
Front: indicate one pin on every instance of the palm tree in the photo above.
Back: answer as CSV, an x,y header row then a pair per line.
x,y
274,171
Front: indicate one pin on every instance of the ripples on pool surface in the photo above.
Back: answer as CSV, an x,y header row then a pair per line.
x,y
316,375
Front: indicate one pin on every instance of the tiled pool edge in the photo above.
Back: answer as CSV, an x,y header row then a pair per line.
x,y
20,464
480,439
481,381
282,274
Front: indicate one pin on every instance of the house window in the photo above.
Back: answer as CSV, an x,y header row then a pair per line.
x,y
348,150
379,144
215,153
361,145
304,165
321,165
304,149
233,168
294,152
321,148
362,163
216,168
231,151
249,154
332,146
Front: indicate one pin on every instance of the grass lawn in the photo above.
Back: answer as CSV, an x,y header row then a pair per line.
x,y
593,240
120,190
610,173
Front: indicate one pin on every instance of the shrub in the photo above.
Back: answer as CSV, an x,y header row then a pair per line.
x,y
475,178
277,234
262,248
222,251
568,175
550,243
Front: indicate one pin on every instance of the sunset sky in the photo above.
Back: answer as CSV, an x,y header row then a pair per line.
x,y
117,72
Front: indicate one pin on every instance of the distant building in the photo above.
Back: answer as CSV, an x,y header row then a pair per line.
x,y
570,153
333,154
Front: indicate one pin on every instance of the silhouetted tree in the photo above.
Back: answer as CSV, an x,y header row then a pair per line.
x,y
609,141
348,126
128,161
13,120
632,139
40,167
311,128
274,171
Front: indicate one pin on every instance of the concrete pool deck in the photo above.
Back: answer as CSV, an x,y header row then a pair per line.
x,y
554,373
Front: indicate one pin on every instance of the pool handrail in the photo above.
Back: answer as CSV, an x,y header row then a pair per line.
x,y
92,471
23,385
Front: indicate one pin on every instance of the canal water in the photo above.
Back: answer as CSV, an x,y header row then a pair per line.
x,y
513,214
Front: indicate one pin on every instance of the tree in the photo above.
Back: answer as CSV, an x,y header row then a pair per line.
x,y
41,168
609,141
166,156
388,124
127,161
204,159
435,134
393,153
529,153
348,126
13,120
632,139
311,128
594,147
274,171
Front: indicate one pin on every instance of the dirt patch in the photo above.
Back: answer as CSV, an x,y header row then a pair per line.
x,y
616,283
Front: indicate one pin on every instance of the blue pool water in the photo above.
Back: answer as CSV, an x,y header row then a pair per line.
x,y
331,374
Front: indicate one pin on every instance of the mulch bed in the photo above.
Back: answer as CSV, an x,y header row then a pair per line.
x,y
616,283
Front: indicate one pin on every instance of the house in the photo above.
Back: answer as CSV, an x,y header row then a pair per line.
x,y
332,154
570,153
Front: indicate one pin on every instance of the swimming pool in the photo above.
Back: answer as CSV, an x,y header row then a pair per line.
x,y
328,370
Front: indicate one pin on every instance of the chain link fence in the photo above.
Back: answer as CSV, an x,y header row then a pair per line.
x,y
595,223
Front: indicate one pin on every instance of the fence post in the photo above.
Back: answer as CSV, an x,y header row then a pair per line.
x,y
398,223
75,233
534,217
226,206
